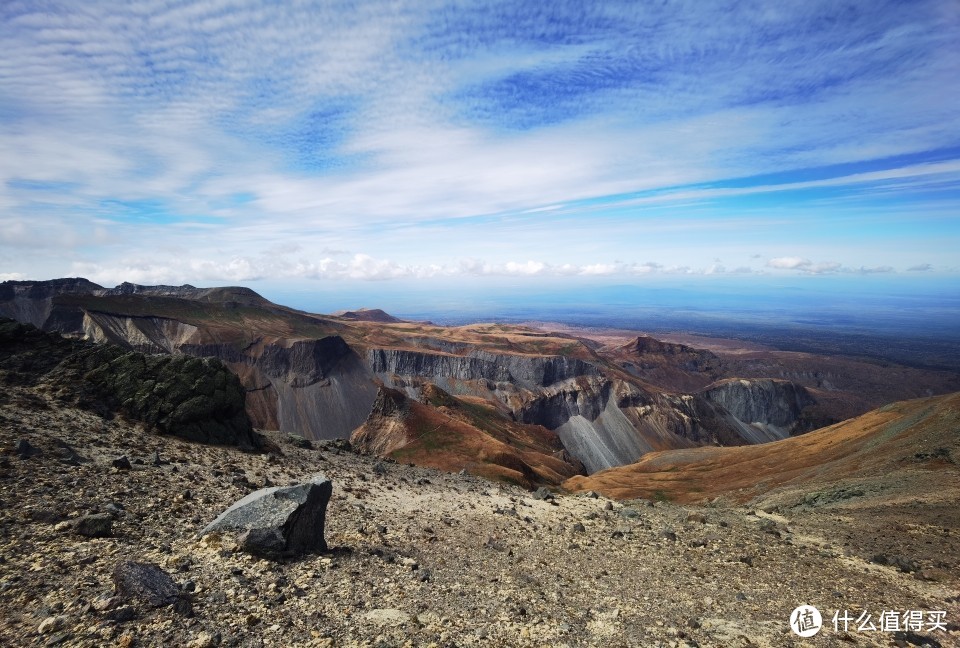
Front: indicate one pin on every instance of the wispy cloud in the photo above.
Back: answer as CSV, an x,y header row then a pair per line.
x,y
549,141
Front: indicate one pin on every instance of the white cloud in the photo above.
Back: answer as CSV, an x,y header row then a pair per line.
x,y
788,263
234,127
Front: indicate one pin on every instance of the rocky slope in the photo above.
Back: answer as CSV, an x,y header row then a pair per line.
x,y
447,433
421,557
318,376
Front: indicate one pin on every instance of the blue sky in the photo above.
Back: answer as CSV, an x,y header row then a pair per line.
x,y
319,145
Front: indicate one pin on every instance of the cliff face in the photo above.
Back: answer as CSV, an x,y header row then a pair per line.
x,y
319,388
32,302
763,409
603,421
527,372
606,410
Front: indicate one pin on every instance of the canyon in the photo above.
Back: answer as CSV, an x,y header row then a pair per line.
x,y
551,404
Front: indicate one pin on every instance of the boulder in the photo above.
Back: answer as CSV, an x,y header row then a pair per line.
x,y
279,521
97,525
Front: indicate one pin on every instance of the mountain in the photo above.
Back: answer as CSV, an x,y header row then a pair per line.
x,y
453,434
325,377
368,315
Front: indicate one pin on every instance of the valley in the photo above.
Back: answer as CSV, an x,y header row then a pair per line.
x,y
493,484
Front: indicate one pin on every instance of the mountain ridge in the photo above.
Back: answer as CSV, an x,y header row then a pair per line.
x,y
319,376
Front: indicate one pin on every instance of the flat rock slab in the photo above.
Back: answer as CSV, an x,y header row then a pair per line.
x,y
386,617
285,521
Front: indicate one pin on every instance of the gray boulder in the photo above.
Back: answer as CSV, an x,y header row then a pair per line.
x,y
279,521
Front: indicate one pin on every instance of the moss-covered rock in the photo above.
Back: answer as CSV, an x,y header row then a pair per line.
x,y
193,398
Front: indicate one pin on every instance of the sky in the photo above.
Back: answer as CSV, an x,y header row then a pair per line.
x,y
328,146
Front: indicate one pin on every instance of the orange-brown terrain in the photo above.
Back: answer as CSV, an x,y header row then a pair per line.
x,y
906,448
455,434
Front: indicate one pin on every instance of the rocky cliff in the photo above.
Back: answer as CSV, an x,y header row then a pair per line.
x,y
602,420
526,372
319,377
763,409
318,387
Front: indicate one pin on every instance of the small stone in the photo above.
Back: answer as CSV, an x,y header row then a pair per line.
x,y
608,506
52,624
697,517
105,602
299,441
543,493
668,534
115,510
629,513
125,641
121,463
578,528
122,614
205,640
98,525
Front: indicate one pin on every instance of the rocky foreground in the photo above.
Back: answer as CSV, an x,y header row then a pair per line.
x,y
416,557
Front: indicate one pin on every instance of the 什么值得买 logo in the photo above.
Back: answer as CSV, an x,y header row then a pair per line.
x,y
806,621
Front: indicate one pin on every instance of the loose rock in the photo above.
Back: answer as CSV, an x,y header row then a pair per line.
x,y
279,521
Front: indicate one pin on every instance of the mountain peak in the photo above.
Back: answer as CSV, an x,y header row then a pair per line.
x,y
368,315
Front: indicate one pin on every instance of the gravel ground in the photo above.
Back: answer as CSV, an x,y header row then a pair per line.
x,y
417,557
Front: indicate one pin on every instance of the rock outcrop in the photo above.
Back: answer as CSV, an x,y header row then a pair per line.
x,y
279,522
193,398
